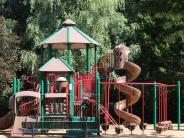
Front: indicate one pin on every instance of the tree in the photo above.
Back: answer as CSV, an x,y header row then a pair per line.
x,y
9,54
161,38
99,19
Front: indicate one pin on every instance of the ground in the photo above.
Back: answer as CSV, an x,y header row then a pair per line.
x,y
137,133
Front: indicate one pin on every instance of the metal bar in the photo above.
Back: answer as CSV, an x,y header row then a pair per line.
x,y
95,53
142,103
49,48
88,59
166,104
179,104
14,86
131,102
42,55
155,105
98,102
14,93
139,83
18,90
68,44
71,88
161,103
48,86
159,108
42,101
81,97
18,85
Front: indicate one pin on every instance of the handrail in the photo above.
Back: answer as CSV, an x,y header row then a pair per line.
x,y
111,119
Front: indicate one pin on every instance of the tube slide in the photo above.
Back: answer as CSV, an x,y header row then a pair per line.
x,y
122,64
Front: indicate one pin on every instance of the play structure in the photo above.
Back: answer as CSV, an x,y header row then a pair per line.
x,y
70,103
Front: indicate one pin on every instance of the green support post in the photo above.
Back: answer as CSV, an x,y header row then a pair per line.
x,y
81,97
68,44
95,53
88,59
42,52
42,101
14,90
71,88
48,86
155,105
179,104
97,92
18,90
18,85
98,102
49,51
71,85
14,86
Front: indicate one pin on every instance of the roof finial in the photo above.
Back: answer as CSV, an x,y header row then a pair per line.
x,y
69,22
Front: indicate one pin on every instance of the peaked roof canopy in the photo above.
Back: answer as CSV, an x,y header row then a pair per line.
x,y
69,34
56,65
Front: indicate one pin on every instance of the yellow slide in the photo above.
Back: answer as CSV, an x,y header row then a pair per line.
x,y
132,71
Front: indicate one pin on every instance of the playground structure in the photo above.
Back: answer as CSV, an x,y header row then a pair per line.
x,y
66,100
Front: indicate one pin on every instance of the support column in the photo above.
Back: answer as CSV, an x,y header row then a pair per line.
x,y
154,105
18,90
48,86
18,85
49,51
14,93
81,97
68,44
97,92
98,97
88,58
71,88
41,56
95,55
42,101
14,86
98,103
179,104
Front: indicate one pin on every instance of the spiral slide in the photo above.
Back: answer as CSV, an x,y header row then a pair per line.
x,y
121,64
133,71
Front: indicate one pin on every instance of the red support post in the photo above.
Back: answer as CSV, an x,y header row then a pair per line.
x,y
166,102
131,102
161,101
108,95
142,103
119,107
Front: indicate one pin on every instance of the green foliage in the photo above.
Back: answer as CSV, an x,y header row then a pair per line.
x,y
135,52
99,19
9,52
29,61
161,39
